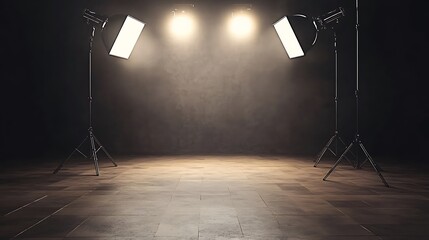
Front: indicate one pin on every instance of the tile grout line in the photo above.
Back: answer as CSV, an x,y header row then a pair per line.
x,y
80,224
26,205
23,231
361,225
239,223
43,219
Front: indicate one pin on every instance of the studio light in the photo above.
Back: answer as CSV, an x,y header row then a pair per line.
x,y
241,24
126,38
182,24
120,34
298,33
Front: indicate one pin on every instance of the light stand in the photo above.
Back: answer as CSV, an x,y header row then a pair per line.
x,y
298,33
357,141
95,145
336,137
120,34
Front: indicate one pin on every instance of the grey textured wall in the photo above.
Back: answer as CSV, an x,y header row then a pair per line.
x,y
211,94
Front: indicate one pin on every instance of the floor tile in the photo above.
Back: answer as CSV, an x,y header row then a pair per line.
x,y
214,197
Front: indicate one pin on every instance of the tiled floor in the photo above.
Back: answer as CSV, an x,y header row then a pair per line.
x,y
213,197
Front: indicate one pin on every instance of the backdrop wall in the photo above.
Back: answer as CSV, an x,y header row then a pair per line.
x,y
210,94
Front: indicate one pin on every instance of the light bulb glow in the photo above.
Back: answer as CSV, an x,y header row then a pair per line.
x,y
241,25
182,25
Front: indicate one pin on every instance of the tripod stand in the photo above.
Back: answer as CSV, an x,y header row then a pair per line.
x,y
336,137
357,141
95,145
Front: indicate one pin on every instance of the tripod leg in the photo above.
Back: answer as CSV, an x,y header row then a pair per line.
x,y
333,152
376,165
338,161
105,151
324,150
363,164
341,140
94,154
344,144
373,164
71,154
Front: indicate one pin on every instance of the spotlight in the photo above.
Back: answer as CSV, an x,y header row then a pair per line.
x,y
241,23
119,32
329,18
127,37
298,33
182,24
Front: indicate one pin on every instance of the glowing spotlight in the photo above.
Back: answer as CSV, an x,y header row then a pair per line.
x,y
241,24
182,24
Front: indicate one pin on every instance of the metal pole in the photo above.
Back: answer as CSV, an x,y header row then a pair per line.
x,y
357,80
357,68
336,90
90,77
